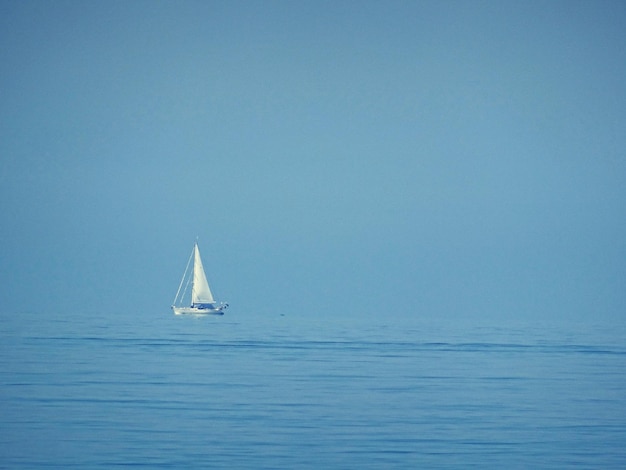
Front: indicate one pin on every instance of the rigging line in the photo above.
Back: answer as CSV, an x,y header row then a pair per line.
x,y
185,291
183,279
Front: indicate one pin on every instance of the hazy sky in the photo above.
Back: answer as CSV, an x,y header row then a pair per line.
x,y
458,160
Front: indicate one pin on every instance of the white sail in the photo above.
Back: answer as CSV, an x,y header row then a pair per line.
x,y
201,292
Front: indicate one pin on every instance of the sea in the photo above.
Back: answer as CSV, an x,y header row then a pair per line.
x,y
284,392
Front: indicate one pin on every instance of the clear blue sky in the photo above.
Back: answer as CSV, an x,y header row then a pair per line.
x,y
462,160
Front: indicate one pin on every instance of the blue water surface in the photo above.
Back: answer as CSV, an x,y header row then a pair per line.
x,y
162,391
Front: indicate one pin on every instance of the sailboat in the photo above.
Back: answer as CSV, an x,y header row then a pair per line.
x,y
202,301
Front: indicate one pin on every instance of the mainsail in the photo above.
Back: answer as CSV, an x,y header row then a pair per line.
x,y
200,292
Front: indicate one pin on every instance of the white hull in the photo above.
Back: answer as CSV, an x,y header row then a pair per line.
x,y
198,311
